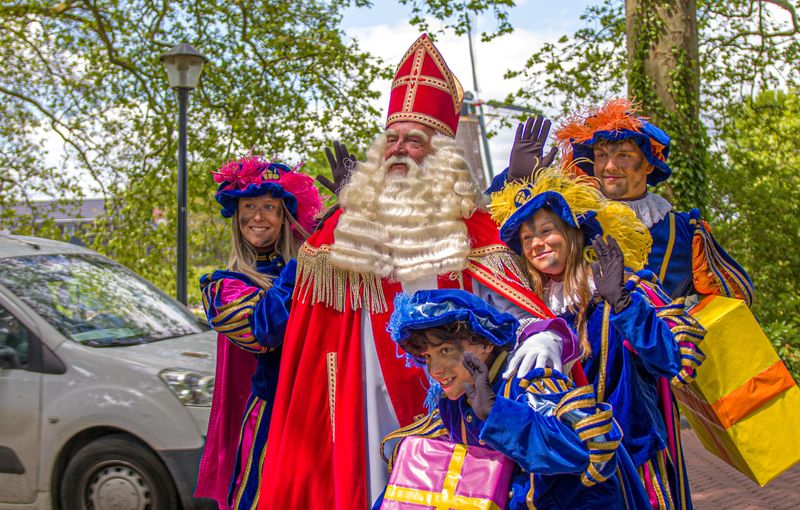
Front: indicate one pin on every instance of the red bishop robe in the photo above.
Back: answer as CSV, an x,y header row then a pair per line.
x,y
315,456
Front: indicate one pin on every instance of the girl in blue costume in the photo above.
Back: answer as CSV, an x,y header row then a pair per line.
x,y
273,209
633,337
564,443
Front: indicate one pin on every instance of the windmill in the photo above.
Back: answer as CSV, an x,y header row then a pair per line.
x,y
472,134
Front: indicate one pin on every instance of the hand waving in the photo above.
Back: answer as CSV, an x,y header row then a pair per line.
x,y
609,273
527,152
480,394
342,164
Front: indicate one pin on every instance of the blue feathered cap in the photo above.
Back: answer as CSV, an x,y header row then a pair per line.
x,y
615,121
431,308
527,207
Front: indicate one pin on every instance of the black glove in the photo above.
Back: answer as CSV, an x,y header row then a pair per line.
x,y
526,153
609,273
342,163
480,393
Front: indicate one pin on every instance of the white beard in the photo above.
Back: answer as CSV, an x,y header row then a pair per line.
x,y
405,227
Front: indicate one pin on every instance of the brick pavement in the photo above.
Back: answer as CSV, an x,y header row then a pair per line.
x,y
716,485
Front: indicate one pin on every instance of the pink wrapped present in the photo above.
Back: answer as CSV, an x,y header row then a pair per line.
x,y
436,474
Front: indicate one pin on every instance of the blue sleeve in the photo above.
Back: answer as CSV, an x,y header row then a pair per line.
x,y
498,182
271,313
650,337
540,444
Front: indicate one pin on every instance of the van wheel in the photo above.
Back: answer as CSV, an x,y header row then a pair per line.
x,y
116,473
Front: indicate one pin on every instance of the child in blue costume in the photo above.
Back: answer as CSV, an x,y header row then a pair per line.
x,y
565,445
273,209
634,337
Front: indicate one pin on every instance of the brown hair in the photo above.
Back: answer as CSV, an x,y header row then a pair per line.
x,y
576,276
453,332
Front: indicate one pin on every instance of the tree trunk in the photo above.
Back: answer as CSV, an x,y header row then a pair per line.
x,y
663,74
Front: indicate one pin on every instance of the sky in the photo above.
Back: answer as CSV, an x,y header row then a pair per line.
x,y
384,31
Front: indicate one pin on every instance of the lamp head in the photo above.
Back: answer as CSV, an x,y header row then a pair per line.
x,y
184,65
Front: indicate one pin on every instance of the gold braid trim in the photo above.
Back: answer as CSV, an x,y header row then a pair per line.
x,y
233,319
499,258
687,331
688,335
320,282
331,366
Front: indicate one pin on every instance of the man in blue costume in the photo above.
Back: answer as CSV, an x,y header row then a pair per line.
x,y
626,153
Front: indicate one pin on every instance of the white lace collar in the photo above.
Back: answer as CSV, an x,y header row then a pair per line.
x,y
651,208
556,301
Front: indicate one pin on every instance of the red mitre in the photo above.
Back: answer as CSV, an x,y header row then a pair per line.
x,y
425,91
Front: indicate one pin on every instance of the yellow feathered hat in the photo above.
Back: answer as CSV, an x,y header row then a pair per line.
x,y
579,204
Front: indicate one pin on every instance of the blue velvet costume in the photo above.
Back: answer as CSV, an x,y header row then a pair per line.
x,y
565,444
631,351
549,453
269,312
254,320
671,259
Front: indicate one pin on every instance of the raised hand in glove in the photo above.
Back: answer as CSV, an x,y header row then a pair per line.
x,y
527,152
342,164
480,394
609,273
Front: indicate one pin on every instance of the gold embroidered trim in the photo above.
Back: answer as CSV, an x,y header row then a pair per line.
x,y
320,282
330,358
499,258
499,283
601,376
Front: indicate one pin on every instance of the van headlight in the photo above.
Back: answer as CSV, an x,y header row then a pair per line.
x,y
191,388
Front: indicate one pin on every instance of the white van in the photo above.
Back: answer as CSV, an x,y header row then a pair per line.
x,y
105,384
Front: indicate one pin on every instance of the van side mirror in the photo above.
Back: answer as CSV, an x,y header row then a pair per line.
x,y
8,357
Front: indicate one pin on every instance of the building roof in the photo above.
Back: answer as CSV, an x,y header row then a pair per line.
x,y
87,209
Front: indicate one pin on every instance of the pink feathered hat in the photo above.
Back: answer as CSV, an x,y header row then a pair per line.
x,y
253,176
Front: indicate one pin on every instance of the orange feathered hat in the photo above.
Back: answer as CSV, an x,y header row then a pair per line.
x,y
616,120
425,91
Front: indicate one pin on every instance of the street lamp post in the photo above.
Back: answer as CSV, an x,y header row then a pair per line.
x,y
184,65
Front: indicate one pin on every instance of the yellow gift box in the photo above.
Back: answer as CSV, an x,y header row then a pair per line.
x,y
743,405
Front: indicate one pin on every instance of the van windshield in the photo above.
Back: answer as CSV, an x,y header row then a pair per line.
x,y
94,301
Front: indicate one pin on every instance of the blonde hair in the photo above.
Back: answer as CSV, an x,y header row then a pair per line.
x,y
244,255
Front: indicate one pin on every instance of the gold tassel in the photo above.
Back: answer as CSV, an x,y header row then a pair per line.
x,y
499,258
320,282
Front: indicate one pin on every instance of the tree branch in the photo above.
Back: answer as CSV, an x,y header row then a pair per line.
x,y
56,123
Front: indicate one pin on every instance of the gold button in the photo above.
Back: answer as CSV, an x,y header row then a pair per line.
x,y
469,418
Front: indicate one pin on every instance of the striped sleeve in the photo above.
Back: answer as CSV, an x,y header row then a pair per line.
x,y
250,317
686,329
714,271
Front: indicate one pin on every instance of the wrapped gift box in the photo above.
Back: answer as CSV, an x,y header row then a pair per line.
x,y
433,474
744,405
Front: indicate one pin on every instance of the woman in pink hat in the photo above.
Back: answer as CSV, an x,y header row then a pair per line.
x,y
273,209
